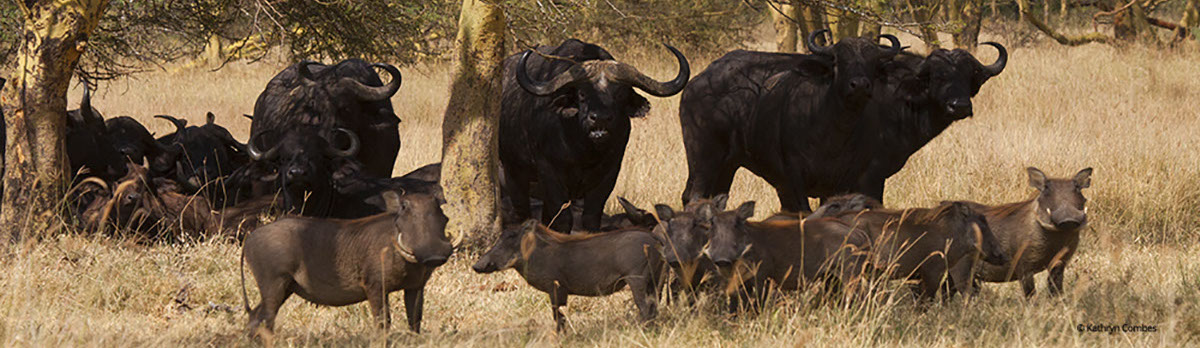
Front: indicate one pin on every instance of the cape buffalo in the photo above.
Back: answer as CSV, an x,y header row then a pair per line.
x,y
347,95
198,156
132,140
342,262
719,111
298,164
565,121
90,148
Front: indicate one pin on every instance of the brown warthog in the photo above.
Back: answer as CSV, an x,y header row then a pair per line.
x,y
1039,233
755,256
580,264
687,232
341,262
938,246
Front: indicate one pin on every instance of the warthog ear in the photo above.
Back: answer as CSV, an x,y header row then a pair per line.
x,y
392,200
1083,179
720,200
1037,179
746,210
638,106
706,213
664,212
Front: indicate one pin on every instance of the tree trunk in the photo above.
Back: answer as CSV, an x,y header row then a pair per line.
x,y
1190,20
870,28
54,35
969,17
814,19
923,13
1022,9
845,24
784,16
471,123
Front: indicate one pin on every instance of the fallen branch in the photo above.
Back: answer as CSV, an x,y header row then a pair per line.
x,y
1064,39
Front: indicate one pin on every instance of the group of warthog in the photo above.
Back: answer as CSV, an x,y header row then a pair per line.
x,y
944,249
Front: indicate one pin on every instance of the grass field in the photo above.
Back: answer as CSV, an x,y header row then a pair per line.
x,y
1131,113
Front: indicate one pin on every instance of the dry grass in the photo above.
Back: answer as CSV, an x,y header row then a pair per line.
x,y
1129,113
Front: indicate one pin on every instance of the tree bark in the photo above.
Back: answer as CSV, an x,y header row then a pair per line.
x,y
870,28
54,35
1064,39
814,19
968,15
471,123
923,13
845,24
1191,19
784,15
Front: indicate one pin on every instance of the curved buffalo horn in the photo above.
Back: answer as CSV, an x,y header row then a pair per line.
x,y
373,93
895,48
257,154
304,72
350,150
95,181
574,73
812,43
248,116
635,78
1001,59
180,125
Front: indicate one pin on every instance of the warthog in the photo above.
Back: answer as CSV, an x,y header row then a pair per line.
x,y
580,264
754,256
938,246
336,262
687,233
1039,233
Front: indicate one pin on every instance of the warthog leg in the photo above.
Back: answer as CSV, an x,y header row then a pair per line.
x,y
414,305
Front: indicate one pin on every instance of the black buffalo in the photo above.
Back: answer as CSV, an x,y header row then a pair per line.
x,y
565,121
348,95
299,165
133,141
90,148
198,156
724,127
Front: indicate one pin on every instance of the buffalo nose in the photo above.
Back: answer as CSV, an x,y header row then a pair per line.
x,y
858,83
959,107
434,261
296,172
1067,224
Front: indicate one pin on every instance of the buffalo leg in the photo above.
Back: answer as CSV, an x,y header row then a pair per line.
x,y
593,203
378,301
414,303
517,185
797,199
709,171
1027,285
558,298
554,196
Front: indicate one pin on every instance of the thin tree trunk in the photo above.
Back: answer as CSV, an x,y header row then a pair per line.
x,y
923,13
54,35
969,15
471,123
871,28
814,19
784,15
845,24
1191,19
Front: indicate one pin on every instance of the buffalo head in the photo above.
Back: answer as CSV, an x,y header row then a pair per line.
x,y
856,63
594,93
300,164
949,78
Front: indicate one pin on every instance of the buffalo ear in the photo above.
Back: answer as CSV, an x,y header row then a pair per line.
x,y
1083,179
746,210
391,200
210,118
638,106
1037,179
664,212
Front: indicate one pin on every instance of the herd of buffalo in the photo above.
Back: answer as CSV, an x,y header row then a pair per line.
x,y
833,125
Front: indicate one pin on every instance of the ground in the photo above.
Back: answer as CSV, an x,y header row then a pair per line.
x,y
1128,112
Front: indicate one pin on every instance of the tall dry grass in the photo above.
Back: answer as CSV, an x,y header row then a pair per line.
x,y
1129,113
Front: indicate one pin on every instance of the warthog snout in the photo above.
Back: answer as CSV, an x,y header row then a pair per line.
x,y
1061,205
